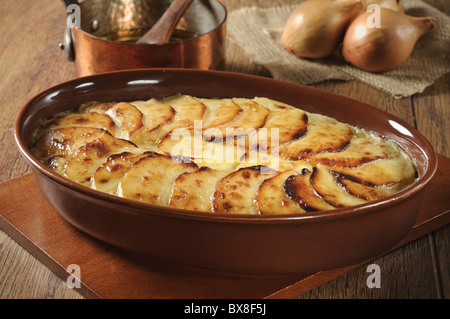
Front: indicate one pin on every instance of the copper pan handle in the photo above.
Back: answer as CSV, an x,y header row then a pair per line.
x,y
67,44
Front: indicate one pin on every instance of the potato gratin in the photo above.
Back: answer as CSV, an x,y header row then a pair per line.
x,y
237,156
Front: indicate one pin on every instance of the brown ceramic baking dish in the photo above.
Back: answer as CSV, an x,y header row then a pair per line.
x,y
303,243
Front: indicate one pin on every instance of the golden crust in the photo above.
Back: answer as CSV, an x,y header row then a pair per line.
x,y
323,135
83,164
231,155
108,175
299,189
236,192
273,200
149,179
195,190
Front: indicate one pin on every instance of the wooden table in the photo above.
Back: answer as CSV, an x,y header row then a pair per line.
x,y
30,61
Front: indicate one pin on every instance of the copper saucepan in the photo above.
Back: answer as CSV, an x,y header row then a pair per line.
x,y
105,39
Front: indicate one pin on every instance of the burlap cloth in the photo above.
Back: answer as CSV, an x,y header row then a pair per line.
x,y
258,31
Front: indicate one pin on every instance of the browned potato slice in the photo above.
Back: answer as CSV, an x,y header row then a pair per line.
x,y
361,150
323,135
255,157
366,193
83,164
219,112
156,115
326,186
126,116
272,160
57,146
182,142
284,124
252,117
195,190
92,119
190,144
151,178
271,198
108,176
383,172
128,119
188,110
299,189
236,192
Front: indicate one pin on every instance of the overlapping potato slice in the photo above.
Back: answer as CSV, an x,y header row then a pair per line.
x,y
383,172
256,157
187,109
57,146
183,142
195,190
128,119
151,178
365,192
284,124
190,144
92,119
361,150
85,161
155,115
271,158
218,112
326,186
236,192
271,198
299,189
252,117
323,134
108,175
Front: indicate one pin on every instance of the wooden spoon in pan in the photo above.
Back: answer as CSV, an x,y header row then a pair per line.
x,y
162,30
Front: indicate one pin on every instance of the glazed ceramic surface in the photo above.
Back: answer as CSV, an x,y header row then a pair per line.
x,y
297,243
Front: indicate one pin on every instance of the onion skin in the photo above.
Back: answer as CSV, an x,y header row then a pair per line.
x,y
316,28
387,47
396,5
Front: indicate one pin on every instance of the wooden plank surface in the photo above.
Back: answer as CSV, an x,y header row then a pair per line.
x,y
30,61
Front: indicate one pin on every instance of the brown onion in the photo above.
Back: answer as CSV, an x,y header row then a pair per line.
x,y
383,48
316,27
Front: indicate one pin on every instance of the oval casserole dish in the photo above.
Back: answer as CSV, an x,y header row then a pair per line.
x,y
296,243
